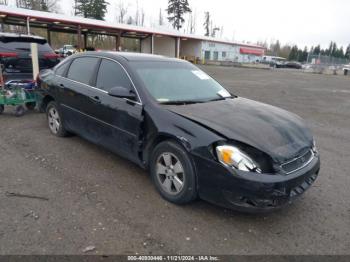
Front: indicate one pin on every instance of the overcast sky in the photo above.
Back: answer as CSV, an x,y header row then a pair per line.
x,y
302,22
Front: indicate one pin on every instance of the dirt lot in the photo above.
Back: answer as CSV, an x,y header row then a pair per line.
x,y
98,199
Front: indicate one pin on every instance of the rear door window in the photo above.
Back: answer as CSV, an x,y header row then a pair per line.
x,y
82,69
62,69
111,74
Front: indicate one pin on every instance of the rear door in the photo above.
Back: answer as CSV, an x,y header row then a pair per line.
x,y
117,121
76,95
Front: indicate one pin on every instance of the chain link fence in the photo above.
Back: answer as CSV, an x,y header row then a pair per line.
x,y
322,64
326,60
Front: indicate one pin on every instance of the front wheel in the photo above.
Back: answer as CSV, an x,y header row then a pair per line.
x,y
55,120
2,108
173,173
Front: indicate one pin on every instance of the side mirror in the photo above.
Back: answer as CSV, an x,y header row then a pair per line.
x,y
122,92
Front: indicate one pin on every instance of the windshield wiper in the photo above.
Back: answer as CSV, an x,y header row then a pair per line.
x,y
220,98
187,102
181,102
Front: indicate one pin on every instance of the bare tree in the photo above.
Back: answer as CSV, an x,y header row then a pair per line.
x,y
41,5
206,23
130,20
137,14
122,10
142,22
192,21
221,31
161,19
75,7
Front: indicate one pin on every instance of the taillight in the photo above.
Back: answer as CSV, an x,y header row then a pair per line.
x,y
8,54
51,56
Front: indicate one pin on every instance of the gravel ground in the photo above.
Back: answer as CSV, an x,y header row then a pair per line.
x,y
99,203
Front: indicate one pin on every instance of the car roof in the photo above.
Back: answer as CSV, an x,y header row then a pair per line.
x,y
129,56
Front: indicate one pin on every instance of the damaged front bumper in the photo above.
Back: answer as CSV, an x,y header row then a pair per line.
x,y
252,192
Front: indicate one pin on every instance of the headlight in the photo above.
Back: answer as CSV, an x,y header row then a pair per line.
x,y
234,157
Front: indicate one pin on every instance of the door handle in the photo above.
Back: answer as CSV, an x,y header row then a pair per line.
x,y
95,99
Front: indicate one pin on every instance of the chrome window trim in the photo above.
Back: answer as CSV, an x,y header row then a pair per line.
x,y
301,167
74,81
139,102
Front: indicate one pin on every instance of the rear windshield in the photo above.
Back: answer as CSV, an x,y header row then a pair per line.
x,y
23,47
23,63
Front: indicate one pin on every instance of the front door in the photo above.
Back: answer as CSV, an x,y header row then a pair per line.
x,y
116,121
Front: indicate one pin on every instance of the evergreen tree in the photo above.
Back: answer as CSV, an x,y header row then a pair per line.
x,y
347,52
317,50
293,55
340,53
98,9
176,10
304,55
334,50
91,8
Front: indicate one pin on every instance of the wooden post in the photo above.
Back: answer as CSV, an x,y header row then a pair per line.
x,y
79,45
118,41
28,25
85,40
177,48
152,44
48,36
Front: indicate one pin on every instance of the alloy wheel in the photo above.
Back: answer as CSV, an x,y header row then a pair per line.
x,y
54,120
170,173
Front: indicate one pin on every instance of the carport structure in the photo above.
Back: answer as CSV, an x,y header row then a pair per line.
x,y
152,41
155,41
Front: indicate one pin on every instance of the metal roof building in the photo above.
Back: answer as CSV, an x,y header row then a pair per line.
x,y
156,41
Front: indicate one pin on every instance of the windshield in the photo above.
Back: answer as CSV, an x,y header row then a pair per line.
x,y
172,82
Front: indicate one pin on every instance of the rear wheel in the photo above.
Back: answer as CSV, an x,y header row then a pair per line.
x,y
345,72
54,120
2,108
19,111
173,173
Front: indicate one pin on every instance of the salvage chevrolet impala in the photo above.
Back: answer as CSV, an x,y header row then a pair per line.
x,y
195,138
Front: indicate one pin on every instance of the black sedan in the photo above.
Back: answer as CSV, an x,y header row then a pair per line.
x,y
194,137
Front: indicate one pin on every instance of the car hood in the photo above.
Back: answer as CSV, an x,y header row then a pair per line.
x,y
278,133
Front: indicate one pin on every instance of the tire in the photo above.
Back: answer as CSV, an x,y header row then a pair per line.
x,y
54,120
345,72
31,106
19,111
2,108
167,161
